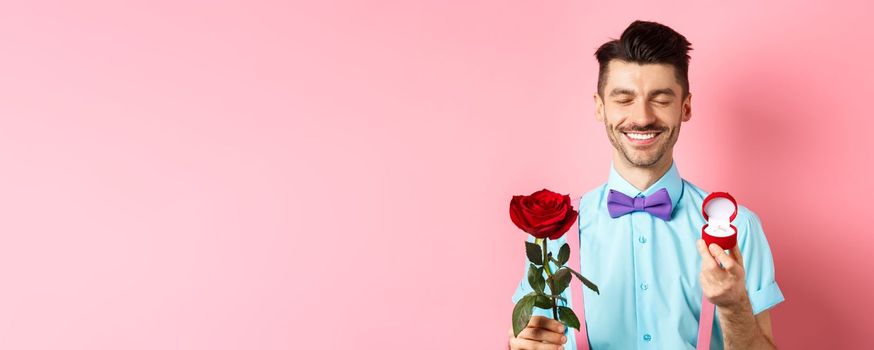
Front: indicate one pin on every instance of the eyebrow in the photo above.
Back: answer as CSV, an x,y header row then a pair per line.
x,y
664,91
621,91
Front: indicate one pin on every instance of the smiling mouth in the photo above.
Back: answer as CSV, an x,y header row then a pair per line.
x,y
641,138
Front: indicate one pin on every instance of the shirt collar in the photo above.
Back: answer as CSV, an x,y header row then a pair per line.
x,y
671,181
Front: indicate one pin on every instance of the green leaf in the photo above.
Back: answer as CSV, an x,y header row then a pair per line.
x,y
585,281
522,313
559,297
568,317
564,253
535,277
560,280
543,302
535,255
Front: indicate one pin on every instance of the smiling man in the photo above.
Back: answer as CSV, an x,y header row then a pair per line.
x,y
652,268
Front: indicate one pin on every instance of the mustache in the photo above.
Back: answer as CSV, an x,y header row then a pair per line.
x,y
638,128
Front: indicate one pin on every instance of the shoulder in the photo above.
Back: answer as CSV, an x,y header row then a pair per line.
x,y
590,199
749,226
747,216
693,193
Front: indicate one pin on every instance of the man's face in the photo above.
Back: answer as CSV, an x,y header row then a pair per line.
x,y
642,109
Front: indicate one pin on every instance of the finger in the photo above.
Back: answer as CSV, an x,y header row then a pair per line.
x,y
707,261
716,252
540,334
735,253
528,344
724,259
546,323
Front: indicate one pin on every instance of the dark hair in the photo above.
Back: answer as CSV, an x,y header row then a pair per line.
x,y
646,42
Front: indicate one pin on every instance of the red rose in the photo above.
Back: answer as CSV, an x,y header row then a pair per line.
x,y
543,214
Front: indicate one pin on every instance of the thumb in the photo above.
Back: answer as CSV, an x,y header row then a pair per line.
x,y
717,252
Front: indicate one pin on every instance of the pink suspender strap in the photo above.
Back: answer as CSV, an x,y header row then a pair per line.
x,y
582,337
705,324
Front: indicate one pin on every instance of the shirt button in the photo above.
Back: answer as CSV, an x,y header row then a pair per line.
x,y
642,239
644,286
647,337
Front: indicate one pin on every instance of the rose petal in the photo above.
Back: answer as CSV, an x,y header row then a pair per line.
x,y
517,215
543,214
569,221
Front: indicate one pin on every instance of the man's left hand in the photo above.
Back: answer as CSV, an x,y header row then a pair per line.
x,y
722,275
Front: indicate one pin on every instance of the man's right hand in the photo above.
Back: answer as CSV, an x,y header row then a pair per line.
x,y
542,333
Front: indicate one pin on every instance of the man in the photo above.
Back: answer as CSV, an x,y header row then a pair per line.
x,y
652,269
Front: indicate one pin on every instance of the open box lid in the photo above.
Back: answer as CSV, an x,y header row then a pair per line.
x,y
719,207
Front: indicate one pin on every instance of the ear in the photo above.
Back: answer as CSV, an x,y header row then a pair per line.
x,y
599,108
687,107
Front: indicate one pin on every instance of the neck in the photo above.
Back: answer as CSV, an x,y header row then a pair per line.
x,y
642,177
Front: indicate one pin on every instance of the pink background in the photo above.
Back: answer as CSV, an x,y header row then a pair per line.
x,y
336,175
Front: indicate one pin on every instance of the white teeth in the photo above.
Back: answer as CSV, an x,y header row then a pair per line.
x,y
640,136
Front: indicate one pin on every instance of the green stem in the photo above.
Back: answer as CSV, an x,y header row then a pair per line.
x,y
582,278
551,282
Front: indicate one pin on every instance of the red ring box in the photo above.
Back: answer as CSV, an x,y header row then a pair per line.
x,y
719,209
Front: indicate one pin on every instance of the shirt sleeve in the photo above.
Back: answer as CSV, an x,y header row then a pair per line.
x,y
762,288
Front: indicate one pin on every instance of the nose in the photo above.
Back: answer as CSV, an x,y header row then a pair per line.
x,y
642,114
